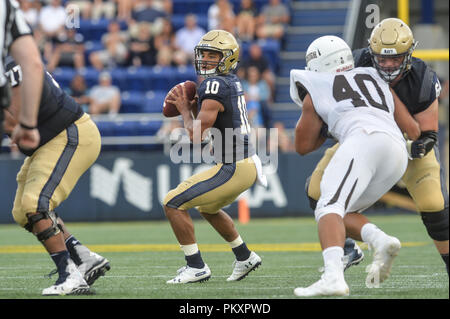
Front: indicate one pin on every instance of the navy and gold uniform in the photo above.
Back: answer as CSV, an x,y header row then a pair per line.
x,y
70,144
424,178
235,170
228,91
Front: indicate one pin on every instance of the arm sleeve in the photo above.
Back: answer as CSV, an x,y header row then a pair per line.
x,y
19,26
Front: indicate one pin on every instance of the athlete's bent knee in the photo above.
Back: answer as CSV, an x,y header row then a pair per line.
x,y
47,233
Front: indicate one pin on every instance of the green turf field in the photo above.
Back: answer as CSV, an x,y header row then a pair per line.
x,y
144,255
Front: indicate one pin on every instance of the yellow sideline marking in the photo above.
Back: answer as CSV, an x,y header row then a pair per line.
x,y
17,249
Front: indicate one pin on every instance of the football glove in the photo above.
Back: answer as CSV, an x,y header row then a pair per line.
x,y
420,147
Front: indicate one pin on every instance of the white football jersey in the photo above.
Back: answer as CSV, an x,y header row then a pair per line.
x,y
350,100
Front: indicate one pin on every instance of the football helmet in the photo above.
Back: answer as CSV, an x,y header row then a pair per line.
x,y
329,54
392,38
220,41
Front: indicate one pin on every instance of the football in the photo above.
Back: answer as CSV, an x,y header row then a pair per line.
x,y
169,109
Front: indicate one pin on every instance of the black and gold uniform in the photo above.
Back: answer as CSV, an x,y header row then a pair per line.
x,y
70,144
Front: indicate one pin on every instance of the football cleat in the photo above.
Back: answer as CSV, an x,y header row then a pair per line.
x,y
383,257
71,282
353,254
242,268
330,284
188,274
93,267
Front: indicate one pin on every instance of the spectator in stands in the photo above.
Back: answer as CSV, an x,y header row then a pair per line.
x,y
257,93
164,5
166,37
145,11
78,90
246,20
141,48
105,97
220,13
68,51
103,8
115,44
30,12
188,37
273,20
285,142
52,19
164,57
257,59
124,8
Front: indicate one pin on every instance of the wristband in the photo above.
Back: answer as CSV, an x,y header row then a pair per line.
x,y
27,127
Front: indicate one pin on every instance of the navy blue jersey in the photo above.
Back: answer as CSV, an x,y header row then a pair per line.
x,y
417,89
57,110
233,123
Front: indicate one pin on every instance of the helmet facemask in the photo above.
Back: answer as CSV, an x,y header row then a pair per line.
x,y
216,67
389,74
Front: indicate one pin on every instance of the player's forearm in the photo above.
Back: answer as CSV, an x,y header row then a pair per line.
x,y
428,119
307,140
188,122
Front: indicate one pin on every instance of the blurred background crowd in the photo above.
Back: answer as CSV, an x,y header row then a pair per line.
x,y
121,57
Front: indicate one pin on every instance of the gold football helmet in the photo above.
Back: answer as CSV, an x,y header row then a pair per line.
x,y
392,38
220,41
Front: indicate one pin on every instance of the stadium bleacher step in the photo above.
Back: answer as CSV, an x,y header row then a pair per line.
x,y
310,19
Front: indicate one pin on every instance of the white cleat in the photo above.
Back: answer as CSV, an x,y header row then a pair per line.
x,y
383,257
242,268
188,274
70,284
93,267
328,285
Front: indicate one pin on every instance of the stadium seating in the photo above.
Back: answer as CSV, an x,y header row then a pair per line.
x,y
143,89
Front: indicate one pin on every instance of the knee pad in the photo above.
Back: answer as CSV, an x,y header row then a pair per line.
x,y
436,224
53,230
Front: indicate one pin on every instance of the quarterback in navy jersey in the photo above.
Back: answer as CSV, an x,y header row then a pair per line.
x,y
221,109
69,145
390,49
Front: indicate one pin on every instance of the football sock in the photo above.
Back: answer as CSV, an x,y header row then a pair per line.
x,y
61,260
332,258
445,258
370,233
241,252
76,250
195,260
192,256
189,249
237,242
